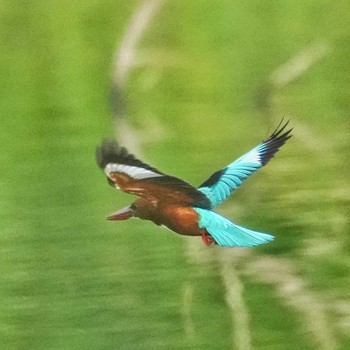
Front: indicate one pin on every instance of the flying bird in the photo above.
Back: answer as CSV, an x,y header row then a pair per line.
x,y
169,201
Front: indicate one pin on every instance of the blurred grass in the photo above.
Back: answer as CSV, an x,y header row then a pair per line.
x,y
71,280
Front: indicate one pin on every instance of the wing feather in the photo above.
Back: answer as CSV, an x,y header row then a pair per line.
x,y
133,176
222,183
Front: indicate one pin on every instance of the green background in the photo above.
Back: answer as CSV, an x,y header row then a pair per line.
x,y
202,92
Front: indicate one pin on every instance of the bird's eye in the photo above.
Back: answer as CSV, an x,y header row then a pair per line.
x,y
133,206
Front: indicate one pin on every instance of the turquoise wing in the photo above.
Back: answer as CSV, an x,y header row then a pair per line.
x,y
228,234
222,183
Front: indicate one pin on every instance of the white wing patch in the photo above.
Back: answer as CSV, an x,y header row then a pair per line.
x,y
251,157
135,172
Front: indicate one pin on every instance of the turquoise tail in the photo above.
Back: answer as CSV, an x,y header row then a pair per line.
x,y
228,234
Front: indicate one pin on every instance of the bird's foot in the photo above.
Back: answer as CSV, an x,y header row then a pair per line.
x,y
207,240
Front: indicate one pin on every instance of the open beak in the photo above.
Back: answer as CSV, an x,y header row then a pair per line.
x,y
121,214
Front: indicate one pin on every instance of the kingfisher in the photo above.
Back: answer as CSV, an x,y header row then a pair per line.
x,y
169,201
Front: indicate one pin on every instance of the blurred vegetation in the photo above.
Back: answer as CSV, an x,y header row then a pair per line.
x,y
202,93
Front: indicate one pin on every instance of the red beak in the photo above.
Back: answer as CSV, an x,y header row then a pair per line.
x,y
121,214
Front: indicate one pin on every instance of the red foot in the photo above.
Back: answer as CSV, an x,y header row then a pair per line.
x,y
207,240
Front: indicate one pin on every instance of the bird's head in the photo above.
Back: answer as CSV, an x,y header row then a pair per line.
x,y
141,208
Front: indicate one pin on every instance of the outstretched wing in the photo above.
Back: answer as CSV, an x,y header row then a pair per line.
x,y
228,234
222,183
124,171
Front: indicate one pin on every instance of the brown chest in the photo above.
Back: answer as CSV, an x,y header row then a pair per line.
x,y
183,220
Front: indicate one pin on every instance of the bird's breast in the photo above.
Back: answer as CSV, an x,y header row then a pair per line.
x,y
183,220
